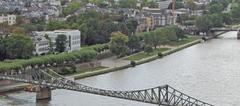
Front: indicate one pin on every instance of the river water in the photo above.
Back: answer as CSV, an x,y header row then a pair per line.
x,y
208,71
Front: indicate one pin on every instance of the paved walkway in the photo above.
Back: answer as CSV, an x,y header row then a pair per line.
x,y
12,87
113,61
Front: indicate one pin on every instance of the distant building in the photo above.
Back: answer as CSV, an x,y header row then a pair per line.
x,y
55,2
145,24
10,19
42,45
73,38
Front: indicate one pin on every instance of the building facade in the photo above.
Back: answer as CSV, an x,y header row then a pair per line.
x,y
43,46
10,19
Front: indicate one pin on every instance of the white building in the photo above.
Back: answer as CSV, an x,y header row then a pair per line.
x,y
55,2
42,45
73,38
10,19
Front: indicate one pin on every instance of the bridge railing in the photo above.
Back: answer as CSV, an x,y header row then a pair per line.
x,y
177,97
161,95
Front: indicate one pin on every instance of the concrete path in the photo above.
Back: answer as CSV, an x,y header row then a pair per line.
x,y
13,87
113,61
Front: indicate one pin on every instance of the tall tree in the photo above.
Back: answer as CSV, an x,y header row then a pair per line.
x,y
18,46
118,44
128,3
204,23
217,20
61,41
191,5
3,54
235,13
53,25
216,8
132,25
71,8
154,38
134,43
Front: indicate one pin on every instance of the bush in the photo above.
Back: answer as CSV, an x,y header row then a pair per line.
x,y
99,47
148,49
133,63
160,54
67,70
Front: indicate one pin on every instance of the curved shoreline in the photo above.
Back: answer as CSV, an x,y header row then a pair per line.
x,y
108,70
149,59
99,72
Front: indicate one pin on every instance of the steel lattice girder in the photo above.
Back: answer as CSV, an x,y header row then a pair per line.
x,y
162,95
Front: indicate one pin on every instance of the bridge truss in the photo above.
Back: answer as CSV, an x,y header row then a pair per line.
x,y
161,95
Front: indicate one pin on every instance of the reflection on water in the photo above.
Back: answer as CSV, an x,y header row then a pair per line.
x,y
208,71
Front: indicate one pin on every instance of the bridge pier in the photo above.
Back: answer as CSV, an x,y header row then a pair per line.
x,y
43,93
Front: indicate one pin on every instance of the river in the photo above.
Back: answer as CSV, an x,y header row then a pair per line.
x,y
209,71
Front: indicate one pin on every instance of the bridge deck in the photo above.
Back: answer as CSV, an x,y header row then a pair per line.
x,y
161,95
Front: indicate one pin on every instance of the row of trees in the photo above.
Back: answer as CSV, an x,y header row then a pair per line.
x,y
214,16
75,5
122,45
83,55
208,21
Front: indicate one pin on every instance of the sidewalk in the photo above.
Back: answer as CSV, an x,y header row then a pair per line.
x,y
13,87
113,61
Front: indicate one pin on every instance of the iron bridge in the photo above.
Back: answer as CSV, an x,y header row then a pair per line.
x,y
161,95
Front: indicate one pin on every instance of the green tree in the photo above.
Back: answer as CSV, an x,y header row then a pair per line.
x,y
61,41
235,13
18,46
204,23
71,8
149,3
176,31
128,3
100,3
53,25
118,44
154,38
227,19
191,5
167,33
217,20
132,25
134,43
216,8
3,54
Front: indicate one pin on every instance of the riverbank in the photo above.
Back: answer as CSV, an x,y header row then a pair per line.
x,y
222,32
12,88
111,69
142,61
117,68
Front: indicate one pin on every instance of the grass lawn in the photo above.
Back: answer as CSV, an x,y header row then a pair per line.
x,y
142,55
87,69
183,41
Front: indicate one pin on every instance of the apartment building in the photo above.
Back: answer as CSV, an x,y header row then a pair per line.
x,y
10,19
43,46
